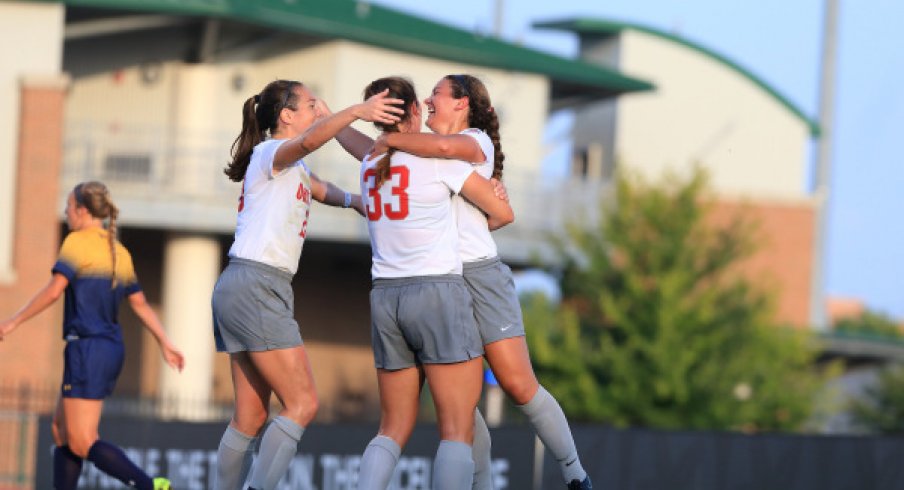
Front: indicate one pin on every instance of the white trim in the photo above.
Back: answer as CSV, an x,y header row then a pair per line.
x,y
8,277
58,81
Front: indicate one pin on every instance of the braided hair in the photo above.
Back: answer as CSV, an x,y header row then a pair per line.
x,y
95,197
481,114
399,88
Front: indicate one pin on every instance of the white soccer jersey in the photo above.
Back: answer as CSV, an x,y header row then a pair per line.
x,y
475,240
411,218
273,211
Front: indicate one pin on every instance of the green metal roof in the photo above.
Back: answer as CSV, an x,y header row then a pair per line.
x,y
367,23
603,27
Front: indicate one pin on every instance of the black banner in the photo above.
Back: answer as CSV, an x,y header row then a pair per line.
x,y
638,459
634,459
327,459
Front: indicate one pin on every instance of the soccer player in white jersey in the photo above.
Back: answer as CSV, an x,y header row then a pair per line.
x,y
422,324
253,301
466,127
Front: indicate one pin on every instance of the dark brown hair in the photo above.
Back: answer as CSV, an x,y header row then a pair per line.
x,y
481,114
95,197
399,88
260,115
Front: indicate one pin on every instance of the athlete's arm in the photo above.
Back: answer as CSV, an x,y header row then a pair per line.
x,y
377,108
428,145
38,303
171,355
328,193
479,191
356,143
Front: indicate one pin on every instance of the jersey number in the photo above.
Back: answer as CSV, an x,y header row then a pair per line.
x,y
303,194
375,207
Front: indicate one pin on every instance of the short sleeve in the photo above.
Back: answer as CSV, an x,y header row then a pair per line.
x,y
67,262
262,157
125,272
453,173
486,144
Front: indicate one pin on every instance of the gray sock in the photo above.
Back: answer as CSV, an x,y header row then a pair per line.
x,y
453,468
480,448
278,446
234,458
549,421
378,463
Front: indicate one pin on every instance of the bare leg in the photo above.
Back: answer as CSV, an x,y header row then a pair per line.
x,y
252,405
456,391
288,373
399,397
510,361
67,466
82,417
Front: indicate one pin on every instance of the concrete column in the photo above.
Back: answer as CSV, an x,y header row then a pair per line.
x,y
191,264
193,128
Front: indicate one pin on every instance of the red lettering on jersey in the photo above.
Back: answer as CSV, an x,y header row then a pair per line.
x,y
375,206
303,193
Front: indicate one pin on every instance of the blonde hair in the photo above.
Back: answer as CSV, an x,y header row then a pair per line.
x,y
95,197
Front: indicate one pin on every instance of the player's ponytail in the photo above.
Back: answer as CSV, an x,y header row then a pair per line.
x,y
95,197
481,114
399,88
260,117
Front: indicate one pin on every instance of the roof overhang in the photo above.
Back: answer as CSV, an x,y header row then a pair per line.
x,y
366,23
601,28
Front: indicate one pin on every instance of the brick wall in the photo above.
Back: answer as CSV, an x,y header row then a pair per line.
x,y
783,261
33,353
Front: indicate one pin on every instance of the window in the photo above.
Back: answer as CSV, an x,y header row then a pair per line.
x,y
128,167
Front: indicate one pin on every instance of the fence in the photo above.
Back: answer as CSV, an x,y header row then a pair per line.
x,y
26,410
20,407
329,455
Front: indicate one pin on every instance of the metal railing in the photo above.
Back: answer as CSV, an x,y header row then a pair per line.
x,y
21,405
175,180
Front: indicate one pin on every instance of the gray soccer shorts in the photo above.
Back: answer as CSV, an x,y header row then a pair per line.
x,y
422,320
495,301
253,308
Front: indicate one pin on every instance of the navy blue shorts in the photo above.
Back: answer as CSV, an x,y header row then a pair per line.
x,y
91,366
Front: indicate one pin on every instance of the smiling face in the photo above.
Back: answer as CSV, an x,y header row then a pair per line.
x,y
300,114
445,113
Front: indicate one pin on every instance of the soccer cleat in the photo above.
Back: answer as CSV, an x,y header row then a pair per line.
x,y
581,485
161,483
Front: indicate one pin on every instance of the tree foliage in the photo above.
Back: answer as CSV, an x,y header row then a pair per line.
x,y
658,328
881,407
869,323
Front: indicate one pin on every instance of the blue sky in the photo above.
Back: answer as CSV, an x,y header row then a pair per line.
x,y
779,41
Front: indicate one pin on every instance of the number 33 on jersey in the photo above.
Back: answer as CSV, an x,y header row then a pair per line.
x,y
393,201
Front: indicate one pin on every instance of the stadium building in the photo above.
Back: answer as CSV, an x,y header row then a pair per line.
x,y
145,95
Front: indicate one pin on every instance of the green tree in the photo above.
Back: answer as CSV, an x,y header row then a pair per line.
x,y
881,407
870,324
658,328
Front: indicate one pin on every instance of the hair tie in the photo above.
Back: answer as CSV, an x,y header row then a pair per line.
x,y
257,98
490,109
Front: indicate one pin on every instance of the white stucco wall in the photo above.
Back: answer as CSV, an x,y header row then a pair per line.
x,y
24,54
704,111
189,117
